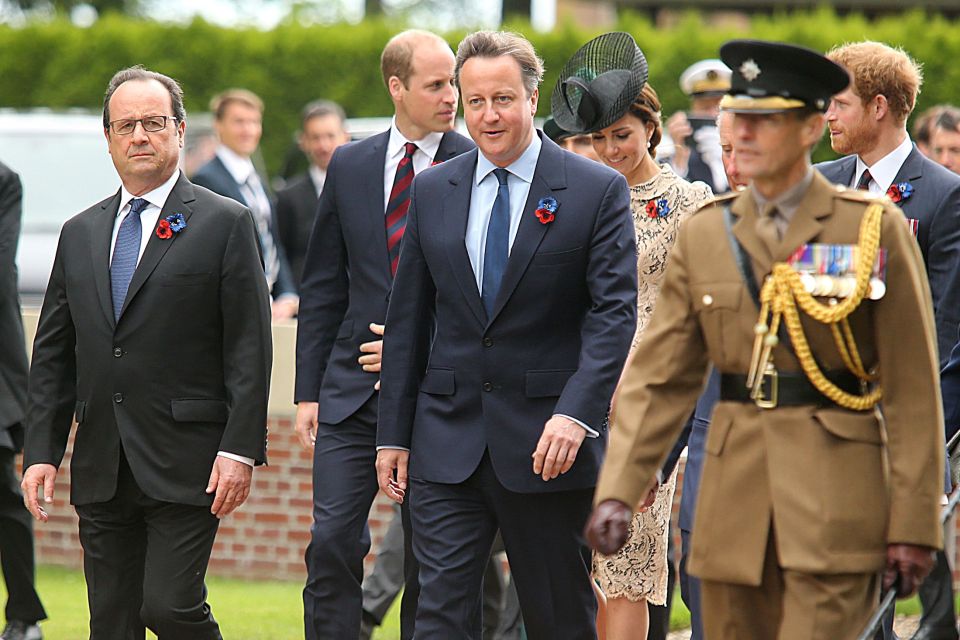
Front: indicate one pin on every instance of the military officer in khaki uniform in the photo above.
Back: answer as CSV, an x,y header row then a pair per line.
x,y
809,495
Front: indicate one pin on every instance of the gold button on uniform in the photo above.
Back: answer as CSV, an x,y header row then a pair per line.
x,y
707,299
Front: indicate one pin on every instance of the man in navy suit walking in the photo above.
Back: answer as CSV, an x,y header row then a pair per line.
x,y
868,120
348,271
511,317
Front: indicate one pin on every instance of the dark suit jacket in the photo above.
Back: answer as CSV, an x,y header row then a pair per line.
x,y
346,278
214,176
183,374
935,204
296,211
561,329
950,390
13,357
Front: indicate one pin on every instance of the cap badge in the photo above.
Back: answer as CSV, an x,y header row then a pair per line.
x,y
749,70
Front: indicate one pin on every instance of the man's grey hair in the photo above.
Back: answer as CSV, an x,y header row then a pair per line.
x,y
139,73
493,44
320,109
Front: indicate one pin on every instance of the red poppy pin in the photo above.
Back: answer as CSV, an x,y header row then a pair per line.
x,y
546,210
898,192
170,226
657,208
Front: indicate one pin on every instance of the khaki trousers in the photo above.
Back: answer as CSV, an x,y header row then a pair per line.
x,y
789,605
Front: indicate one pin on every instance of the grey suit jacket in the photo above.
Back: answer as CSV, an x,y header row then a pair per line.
x,y
935,205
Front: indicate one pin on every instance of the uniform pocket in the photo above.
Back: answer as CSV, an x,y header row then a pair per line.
x,y
718,306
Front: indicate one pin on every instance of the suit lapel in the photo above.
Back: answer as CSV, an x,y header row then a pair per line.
x,y
102,234
456,210
910,171
177,202
374,161
549,177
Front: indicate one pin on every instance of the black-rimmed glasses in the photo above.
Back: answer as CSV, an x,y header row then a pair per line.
x,y
151,124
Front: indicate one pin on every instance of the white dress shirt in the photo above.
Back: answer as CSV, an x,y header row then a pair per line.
x,y
318,176
484,193
148,223
422,158
884,170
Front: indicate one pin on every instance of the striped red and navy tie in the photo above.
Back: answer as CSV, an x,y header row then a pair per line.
x,y
396,218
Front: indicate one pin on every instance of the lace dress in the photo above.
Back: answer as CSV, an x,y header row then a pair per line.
x,y
639,570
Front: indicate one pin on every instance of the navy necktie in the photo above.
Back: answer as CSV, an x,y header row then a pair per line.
x,y
498,243
125,254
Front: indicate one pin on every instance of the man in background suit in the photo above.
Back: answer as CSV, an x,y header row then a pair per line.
x,y
238,121
322,130
348,273
510,319
23,608
155,335
868,121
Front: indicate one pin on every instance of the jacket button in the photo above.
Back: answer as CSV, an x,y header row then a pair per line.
x,y
118,398
487,386
117,352
488,342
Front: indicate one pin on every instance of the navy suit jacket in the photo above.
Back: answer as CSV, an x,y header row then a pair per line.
x,y
214,176
935,204
13,360
556,342
346,277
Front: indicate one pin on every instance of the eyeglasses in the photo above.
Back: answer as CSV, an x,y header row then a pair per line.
x,y
151,124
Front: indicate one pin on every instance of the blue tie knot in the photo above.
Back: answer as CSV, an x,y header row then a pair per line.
x,y
137,205
501,176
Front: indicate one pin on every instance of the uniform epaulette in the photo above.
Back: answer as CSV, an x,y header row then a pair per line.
x,y
715,200
856,195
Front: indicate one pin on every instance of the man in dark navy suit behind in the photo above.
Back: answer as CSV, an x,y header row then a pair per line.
x,y
348,272
510,319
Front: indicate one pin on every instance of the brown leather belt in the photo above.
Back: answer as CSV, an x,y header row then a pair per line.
x,y
787,388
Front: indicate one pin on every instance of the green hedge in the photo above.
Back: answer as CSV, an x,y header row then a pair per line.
x,y
58,65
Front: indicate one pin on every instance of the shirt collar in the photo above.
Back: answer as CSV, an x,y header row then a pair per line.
x,y
428,144
157,197
523,167
789,201
238,166
884,171
318,176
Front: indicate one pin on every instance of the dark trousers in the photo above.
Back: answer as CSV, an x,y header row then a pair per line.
x,y
344,486
454,526
16,546
660,614
381,586
690,589
144,561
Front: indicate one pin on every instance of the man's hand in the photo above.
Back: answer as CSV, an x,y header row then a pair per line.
x,y
608,526
679,129
911,562
373,352
558,446
35,477
231,480
284,308
651,497
388,461
305,424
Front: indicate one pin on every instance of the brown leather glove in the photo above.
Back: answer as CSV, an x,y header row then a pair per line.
x,y
606,529
911,562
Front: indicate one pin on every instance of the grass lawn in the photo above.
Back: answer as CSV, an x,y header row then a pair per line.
x,y
245,610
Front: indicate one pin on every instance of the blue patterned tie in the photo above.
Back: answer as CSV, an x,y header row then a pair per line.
x,y
125,254
498,243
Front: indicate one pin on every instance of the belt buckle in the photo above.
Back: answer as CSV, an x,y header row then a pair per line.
x,y
769,381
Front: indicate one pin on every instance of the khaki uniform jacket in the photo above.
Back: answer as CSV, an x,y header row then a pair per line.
x,y
836,485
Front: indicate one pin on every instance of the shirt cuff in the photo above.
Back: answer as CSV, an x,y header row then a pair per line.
x,y
590,432
390,446
232,456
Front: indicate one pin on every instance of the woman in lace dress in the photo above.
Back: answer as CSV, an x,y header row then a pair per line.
x,y
660,201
